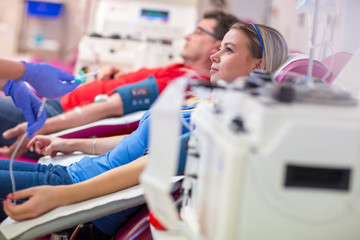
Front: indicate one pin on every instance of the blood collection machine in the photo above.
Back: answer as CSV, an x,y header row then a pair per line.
x,y
134,33
280,162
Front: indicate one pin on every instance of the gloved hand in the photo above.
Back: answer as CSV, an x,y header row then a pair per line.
x,y
28,102
48,81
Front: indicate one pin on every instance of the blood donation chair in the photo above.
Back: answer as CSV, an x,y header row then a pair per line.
x,y
105,127
297,63
337,61
71,215
68,216
101,128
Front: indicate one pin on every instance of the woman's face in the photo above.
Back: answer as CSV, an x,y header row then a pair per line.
x,y
233,59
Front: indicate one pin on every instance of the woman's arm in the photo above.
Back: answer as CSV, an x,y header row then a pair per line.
x,y
73,118
49,145
45,198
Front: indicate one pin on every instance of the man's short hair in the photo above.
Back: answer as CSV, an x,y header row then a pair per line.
x,y
224,22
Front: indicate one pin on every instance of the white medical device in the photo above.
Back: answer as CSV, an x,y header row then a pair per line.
x,y
134,33
270,170
260,168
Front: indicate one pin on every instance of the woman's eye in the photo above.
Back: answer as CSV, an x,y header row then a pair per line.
x,y
229,50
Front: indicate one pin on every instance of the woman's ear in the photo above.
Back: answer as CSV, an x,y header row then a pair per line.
x,y
258,64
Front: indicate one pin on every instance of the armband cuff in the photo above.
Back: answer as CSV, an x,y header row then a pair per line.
x,y
138,96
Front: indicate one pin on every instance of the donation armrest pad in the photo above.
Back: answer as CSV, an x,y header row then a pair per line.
x,y
70,215
103,127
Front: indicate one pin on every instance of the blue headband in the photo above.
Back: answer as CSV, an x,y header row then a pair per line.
x,y
260,39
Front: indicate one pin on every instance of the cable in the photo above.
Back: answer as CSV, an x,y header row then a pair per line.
x,y
76,231
136,227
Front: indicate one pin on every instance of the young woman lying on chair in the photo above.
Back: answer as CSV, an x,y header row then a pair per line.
x,y
244,48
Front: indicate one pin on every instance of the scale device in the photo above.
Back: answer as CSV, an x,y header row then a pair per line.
x,y
131,34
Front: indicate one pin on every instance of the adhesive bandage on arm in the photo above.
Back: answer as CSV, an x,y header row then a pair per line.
x,y
94,144
79,111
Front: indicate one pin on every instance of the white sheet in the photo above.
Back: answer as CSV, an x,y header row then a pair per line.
x,y
64,160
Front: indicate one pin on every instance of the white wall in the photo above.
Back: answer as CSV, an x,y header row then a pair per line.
x,y
256,10
282,15
10,18
351,34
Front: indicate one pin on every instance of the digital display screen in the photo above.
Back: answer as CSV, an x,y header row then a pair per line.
x,y
152,14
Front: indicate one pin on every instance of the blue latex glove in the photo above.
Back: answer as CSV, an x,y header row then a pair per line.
x,y
28,102
48,81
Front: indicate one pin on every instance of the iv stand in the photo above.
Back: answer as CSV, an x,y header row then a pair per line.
x,y
312,41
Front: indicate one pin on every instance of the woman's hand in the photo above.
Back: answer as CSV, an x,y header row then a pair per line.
x,y
109,72
49,145
17,132
40,200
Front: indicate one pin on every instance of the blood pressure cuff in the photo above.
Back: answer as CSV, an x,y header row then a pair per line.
x,y
138,96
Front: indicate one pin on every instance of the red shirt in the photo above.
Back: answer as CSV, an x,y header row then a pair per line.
x,y
86,93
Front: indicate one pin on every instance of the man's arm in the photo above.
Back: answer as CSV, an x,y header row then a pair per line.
x,y
77,117
83,115
129,98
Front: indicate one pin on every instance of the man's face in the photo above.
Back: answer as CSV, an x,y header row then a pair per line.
x,y
200,44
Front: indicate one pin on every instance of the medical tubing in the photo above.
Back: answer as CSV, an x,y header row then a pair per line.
x,y
41,109
332,62
12,178
187,125
91,73
12,162
83,77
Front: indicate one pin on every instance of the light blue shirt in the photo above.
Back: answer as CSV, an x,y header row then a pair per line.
x,y
129,149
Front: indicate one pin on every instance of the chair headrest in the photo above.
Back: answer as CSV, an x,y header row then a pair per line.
x,y
298,63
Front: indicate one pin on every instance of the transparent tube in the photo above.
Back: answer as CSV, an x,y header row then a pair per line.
x,y
11,171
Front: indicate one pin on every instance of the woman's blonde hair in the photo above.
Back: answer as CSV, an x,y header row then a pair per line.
x,y
271,46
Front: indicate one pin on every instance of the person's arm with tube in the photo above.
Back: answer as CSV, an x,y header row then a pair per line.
x,y
73,118
89,113
45,198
